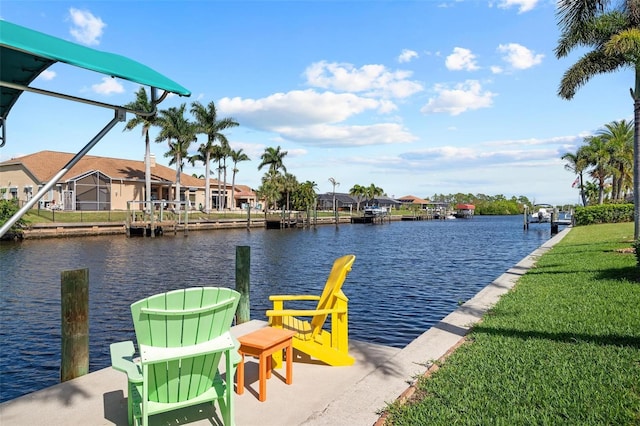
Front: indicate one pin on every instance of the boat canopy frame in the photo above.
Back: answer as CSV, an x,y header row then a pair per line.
x,y
25,54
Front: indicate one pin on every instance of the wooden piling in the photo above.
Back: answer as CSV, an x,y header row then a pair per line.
x,y
75,324
243,262
554,223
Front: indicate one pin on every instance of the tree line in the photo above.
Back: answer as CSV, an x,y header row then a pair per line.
x,y
179,132
604,164
486,204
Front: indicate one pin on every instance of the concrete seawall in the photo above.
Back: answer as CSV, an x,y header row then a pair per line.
x,y
82,229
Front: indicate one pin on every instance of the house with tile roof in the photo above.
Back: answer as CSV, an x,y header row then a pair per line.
x,y
103,183
412,200
435,207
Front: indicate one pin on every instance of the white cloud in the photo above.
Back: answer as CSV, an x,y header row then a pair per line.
x,y
87,28
518,56
461,59
297,108
495,69
47,75
328,135
462,97
370,80
108,86
295,153
309,117
523,5
443,156
407,55
556,140
253,150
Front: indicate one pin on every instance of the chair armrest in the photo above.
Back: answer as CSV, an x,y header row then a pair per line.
x,y
122,360
235,355
296,297
155,354
303,312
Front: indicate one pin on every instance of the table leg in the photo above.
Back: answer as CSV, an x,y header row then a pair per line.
x,y
289,363
269,365
240,374
262,365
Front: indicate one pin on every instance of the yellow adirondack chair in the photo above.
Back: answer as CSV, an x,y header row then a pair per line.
x,y
181,336
331,347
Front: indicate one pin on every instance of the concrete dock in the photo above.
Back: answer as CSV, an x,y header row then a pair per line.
x,y
319,394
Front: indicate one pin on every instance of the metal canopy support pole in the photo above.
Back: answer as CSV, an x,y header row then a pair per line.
x,y
120,115
3,131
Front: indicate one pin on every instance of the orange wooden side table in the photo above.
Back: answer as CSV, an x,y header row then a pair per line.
x,y
263,343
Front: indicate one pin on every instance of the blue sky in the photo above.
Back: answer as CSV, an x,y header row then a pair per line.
x,y
417,97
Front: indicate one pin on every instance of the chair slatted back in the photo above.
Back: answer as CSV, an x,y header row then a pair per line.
x,y
182,318
341,267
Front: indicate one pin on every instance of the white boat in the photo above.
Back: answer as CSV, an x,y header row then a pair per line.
x,y
541,213
375,211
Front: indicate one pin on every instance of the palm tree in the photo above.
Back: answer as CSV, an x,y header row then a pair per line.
x,y
216,155
598,156
273,158
199,156
578,164
305,196
359,192
618,136
269,191
591,192
179,133
236,157
272,180
177,153
203,155
613,33
289,184
207,123
225,152
335,183
142,103
372,191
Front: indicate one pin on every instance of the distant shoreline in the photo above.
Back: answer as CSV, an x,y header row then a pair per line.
x,y
87,229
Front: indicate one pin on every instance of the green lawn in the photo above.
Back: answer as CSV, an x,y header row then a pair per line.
x,y
563,347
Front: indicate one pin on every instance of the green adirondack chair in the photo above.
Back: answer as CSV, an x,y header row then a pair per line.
x,y
181,336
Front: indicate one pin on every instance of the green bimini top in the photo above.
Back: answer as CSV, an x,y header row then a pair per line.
x,y
25,53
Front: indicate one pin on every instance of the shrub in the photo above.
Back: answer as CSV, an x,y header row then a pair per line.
x,y
7,209
604,213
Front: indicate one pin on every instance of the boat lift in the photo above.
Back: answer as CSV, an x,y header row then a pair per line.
x,y
25,53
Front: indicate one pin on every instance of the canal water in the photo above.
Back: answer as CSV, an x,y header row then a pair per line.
x,y
407,276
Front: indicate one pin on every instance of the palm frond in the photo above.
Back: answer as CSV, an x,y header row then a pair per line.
x,y
572,14
626,44
591,64
592,33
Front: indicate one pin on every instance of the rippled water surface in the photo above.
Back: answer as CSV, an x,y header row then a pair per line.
x,y
406,277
